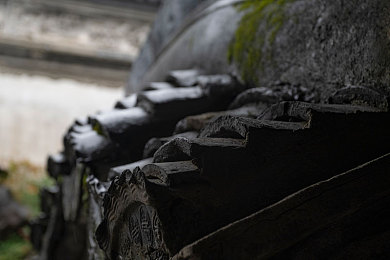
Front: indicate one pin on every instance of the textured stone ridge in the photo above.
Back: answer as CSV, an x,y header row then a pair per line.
x,y
246,150
324,44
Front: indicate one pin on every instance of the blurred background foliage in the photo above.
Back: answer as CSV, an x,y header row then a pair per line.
x,y
24,181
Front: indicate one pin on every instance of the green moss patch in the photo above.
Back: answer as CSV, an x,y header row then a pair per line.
x,y
255,36
14,247
24,181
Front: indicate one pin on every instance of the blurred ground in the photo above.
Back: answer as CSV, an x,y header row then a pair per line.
x,y
24,181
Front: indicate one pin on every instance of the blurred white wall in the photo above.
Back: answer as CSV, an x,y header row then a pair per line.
x,y
35,112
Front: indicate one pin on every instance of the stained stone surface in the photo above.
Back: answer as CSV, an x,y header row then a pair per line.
x,y
238,160
172,15
12,214
321,45
192,180
334,217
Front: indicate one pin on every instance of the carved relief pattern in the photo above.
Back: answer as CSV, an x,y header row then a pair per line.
x,y
144,233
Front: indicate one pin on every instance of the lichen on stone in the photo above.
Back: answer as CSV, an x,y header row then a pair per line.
x,y
255,35
98,129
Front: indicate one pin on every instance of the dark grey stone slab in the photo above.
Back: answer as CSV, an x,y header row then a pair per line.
x,y
12,214
328,209
155,143
57,165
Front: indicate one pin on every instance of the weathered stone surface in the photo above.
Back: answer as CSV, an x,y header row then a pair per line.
x,y
87,146
152,210
183,149
198,122
272,156
276,160
61,239
122,133
183,78
360,96
243,160
172,174
149,239
351,36
130,129
100,146
175,102
155,143
239,127
49,198
117,171
297,48
96,191
127,102
217,184
195,123
52,232
299,111
214,18
81,121
287,229
79,128
170,18
71,191
57,165
287,116
158,86
273,94
12,214
219,85
362,234
38,227
116,123
271,159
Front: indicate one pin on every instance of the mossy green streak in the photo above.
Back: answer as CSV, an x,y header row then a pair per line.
x,y
98,128
255,36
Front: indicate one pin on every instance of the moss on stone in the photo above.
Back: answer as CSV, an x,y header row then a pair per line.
x,y
255,36
98,128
